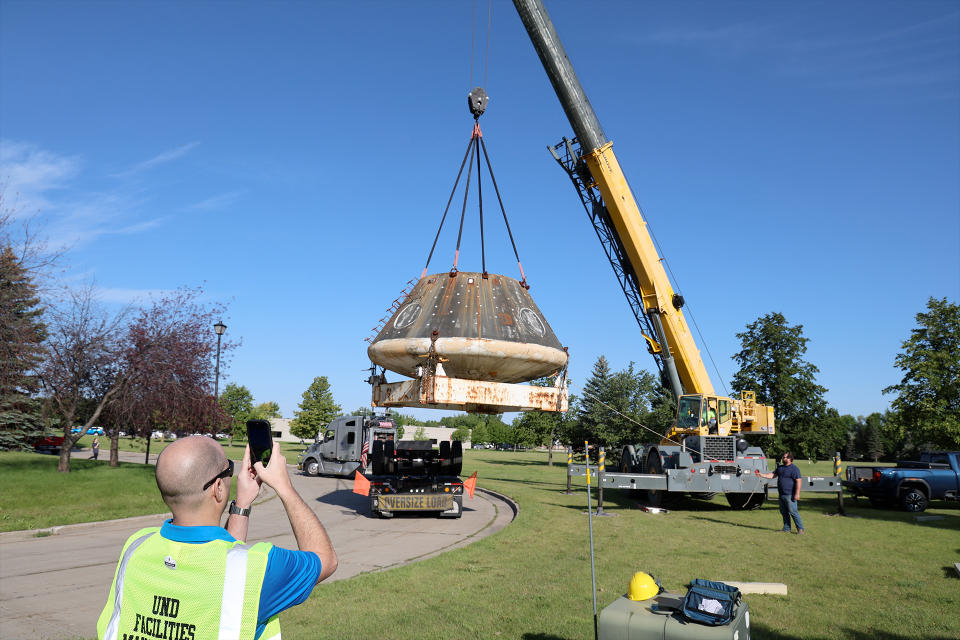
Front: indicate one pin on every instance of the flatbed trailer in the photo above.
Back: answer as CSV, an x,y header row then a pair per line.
x,y
666,473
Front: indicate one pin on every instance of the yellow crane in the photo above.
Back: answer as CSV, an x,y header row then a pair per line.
x,y
703,451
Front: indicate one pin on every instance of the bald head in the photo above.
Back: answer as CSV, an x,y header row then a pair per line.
x,y
185,466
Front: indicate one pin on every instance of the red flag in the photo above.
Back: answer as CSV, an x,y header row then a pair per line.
x,y
361,485
470,484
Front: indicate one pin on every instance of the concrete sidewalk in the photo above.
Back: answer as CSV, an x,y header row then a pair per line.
x,y
55,586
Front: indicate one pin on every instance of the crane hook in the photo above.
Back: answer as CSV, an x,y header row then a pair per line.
x,y
477,102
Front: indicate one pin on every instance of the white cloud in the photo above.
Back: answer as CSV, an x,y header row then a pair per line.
x,y
216,202
28,173
161,158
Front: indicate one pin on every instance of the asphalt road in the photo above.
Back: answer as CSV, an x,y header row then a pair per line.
x,y
55,586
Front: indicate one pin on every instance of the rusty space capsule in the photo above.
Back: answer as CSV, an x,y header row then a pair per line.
x,y
480,328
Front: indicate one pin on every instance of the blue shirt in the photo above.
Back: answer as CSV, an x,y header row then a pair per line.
x,y
289,579
787,476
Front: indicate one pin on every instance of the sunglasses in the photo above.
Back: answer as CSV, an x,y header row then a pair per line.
x,y
226,473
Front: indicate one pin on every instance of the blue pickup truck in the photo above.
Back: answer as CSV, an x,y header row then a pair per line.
x,y
911,484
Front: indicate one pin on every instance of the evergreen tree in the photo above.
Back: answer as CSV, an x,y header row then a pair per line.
x,y
22,332
771,363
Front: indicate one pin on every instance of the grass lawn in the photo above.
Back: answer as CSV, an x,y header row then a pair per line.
x,y
879,575
876,576
35,496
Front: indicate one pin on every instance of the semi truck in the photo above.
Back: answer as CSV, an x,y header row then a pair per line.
x,y
346,445
706,450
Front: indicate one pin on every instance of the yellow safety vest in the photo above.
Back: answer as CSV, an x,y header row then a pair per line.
x,y
168,590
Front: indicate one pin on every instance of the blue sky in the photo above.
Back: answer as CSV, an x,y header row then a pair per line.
x,y
295,158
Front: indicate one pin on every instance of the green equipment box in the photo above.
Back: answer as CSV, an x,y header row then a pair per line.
x,y
659,618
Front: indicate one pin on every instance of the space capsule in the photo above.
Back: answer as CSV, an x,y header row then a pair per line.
x,y
481,328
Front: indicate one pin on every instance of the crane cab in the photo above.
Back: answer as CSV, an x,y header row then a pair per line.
x,y
702,414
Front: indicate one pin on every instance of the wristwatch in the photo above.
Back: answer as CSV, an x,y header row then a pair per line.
x,y
237,511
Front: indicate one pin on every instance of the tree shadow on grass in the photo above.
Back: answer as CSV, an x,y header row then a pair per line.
x,y
759,631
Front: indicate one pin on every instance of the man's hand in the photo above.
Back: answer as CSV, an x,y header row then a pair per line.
x,y
248,484
275,472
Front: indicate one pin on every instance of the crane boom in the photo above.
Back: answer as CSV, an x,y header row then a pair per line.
x,y
606,194
657,307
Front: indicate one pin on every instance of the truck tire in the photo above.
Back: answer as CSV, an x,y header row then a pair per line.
x,y
389,458
376,458
311,467
914,500
456,458
626,459
445,461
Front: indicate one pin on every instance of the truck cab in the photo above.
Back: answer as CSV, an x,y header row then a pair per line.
x,y
341,450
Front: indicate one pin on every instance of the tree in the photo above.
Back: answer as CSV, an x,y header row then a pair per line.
x,y
266,411
541,428
237,402
616,407
771,363
927,401
25,268
316,410
22,333
168,369
420,433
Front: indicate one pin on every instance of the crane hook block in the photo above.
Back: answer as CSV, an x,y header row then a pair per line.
x,y
477,101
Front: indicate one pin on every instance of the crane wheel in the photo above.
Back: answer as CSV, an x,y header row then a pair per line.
x,y
626,459
657,497
746,501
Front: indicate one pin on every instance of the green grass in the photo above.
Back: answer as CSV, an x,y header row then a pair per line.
x,y
139,445
879,575
35,496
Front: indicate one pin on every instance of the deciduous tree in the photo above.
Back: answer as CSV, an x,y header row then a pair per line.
x,y
771,363
84,362
316,409
237,402
168,368
927,400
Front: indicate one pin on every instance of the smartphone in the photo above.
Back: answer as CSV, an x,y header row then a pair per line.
x,y
260,440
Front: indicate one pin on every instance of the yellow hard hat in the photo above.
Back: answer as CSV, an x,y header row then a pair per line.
x,y
643,586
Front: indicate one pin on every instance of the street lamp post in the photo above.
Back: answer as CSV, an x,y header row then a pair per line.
x,y
219,328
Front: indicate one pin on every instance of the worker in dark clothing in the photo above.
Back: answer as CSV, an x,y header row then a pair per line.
x,y
788,485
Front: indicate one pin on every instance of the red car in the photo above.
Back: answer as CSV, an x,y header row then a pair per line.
x,y
49,444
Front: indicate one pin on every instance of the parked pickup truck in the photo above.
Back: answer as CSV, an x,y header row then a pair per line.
x,y
911,484
48,444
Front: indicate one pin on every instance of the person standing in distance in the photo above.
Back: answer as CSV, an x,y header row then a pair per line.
x,y
191,578
788,485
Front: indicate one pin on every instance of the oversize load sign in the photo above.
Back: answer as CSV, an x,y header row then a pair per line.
x,y
415,503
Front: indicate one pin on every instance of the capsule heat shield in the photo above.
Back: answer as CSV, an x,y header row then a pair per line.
x,y
487,329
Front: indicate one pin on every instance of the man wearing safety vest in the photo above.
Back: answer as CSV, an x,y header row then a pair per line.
x,y
191,579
